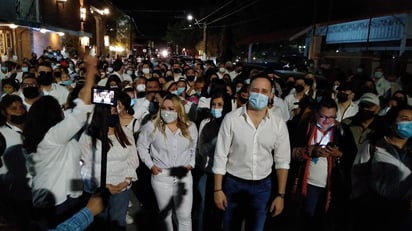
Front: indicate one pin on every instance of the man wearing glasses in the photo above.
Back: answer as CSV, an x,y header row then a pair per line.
x,y
322,156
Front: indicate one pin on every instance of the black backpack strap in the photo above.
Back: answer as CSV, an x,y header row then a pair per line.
x,y
3,146
134,123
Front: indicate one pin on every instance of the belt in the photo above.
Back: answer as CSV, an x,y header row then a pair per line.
x,y
247,181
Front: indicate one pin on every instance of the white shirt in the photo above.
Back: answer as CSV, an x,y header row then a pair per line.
x,y
121,162
59,92
233,74
141,108
12,135
282,106
102,82
349,112
127,77
292,103
118,75
57,160
169,150
203,102
245,151
318,168
382,86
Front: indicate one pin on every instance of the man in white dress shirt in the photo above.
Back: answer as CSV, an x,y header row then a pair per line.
x,y
251,138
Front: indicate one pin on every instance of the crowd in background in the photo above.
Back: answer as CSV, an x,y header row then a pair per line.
x,y
348,137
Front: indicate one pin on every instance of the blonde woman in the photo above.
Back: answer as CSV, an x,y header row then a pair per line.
x,y
167,147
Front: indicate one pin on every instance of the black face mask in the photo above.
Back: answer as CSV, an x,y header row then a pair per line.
x,y
177,70
190,77
364,114
342,97
290,84
46,78
243,100
31,92
299,88
18,119
140,94
113,120
58,74
153,107
309,82
367,89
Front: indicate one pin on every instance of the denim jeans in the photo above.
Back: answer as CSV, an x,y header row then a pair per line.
x,y
116,210
201,187
315,200
246,200
174,192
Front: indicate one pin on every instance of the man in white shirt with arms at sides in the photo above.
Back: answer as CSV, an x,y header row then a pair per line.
x,y
251,138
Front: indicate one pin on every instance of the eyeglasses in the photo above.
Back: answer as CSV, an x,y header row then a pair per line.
x,y
329,118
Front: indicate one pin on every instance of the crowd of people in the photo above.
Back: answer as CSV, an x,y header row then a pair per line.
x,y
202,146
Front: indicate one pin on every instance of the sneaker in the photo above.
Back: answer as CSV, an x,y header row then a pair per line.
x,y
129,219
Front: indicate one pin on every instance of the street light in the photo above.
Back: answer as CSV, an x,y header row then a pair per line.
x,y
204,26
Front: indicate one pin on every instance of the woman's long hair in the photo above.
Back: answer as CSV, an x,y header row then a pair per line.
x,y
211,128
43,114
95,127
183,122
125,99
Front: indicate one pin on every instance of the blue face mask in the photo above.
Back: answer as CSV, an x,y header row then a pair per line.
x,y
132,102
404,129
216,112
66,83
378,74
258,101
180,90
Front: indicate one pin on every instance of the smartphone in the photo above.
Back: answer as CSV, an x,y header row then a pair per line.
x,y
103,95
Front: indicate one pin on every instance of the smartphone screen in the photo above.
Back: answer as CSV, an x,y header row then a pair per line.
x,y
102,95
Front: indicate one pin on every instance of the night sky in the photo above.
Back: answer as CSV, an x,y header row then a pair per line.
x,y
252,16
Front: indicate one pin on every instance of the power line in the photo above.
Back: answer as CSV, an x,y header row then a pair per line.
x,y
233,12
219,8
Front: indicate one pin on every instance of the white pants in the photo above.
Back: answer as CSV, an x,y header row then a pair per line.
x,y
174,193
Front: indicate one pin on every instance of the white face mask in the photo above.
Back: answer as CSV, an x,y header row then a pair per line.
x,y
146,70
168,116
222,69
129,72
110,69
140,87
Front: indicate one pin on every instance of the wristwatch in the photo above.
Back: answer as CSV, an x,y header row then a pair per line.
x,y
282,195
